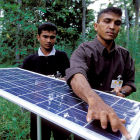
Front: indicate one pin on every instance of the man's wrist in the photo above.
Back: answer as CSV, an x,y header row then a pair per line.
x,y
123,92
93,98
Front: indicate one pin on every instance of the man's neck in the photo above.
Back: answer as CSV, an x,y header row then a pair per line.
x,y
106,43
45,52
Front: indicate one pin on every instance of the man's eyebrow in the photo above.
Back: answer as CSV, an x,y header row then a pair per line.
x,y
49,35
118,20
111,18
107,18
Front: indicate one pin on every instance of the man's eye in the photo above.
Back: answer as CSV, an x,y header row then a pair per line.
x,y
45,36
118,23
106,20
52,37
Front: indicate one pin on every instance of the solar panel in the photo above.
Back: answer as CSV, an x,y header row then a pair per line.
x,y
53,100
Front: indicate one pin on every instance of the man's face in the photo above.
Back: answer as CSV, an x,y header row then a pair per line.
x,y
47,40
108,26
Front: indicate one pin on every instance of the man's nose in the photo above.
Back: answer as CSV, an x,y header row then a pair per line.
x,y
48,39
112,25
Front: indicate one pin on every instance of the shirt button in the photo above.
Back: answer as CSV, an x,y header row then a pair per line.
x,y
101,84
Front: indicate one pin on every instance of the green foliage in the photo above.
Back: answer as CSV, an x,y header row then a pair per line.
x,y
68,18
20,21
132,44
14,122
19,28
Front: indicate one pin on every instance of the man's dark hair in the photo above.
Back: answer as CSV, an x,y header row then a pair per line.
x,y
47,26
114,10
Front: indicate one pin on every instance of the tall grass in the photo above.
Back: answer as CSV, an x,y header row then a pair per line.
x,y
14,122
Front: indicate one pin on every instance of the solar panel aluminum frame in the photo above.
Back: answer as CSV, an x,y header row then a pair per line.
x,y
85,133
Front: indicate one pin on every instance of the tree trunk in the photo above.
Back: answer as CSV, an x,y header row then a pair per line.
x,y
136,4
127,22
83,19
17,51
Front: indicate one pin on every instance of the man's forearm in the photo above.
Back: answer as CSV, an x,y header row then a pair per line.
x,y
82,88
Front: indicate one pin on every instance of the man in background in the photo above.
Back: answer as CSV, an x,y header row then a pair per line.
x,y
103,65
47,61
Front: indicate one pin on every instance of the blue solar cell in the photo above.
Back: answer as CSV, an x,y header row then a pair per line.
x,y
8,78
58,83
68,100
96,127
43,79
20,82
83,106
34,98
121,116
35,87
55,96
63,89
128,120
18,91
126,104
108,98
5,85
124,110
47,85
49,93
75,115
53,106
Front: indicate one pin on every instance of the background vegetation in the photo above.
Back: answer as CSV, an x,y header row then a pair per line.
x,y
18,28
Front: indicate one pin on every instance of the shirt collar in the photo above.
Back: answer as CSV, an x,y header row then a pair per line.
x,y
40,53
101,48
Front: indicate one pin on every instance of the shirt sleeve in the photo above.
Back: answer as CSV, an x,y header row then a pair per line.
x,y
78,63
28,64
129,73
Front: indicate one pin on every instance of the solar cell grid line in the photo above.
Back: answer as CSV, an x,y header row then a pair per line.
x,y
53,100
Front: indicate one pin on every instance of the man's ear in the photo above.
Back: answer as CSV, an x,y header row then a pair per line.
x,y
95,26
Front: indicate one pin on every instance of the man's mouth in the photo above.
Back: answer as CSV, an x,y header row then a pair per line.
x,y
110,33
47,45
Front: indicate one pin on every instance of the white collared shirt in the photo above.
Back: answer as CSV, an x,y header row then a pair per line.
x,y
40,53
